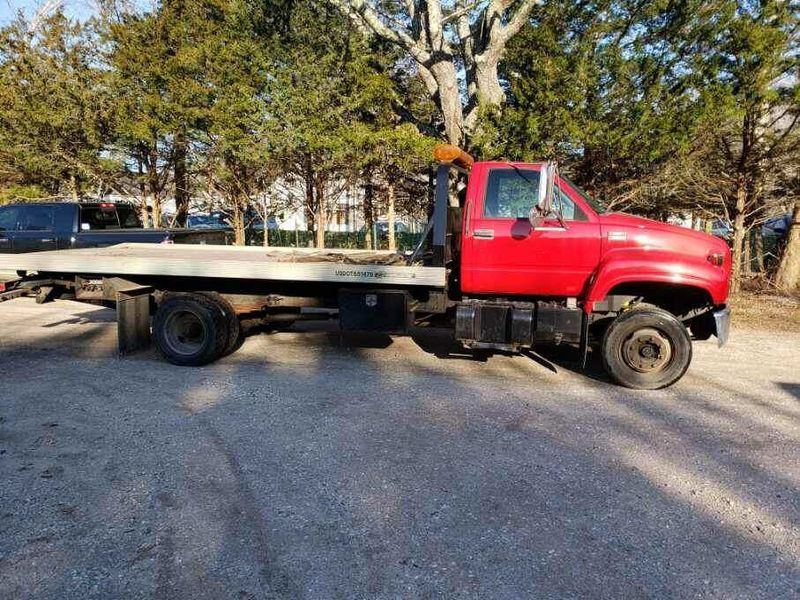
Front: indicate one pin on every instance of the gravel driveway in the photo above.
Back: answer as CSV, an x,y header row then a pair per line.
x,y
306,466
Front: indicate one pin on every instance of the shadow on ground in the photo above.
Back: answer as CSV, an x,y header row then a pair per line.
x,y
359,466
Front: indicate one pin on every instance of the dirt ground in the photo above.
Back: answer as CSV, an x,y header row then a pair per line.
x,y
311,466
764,311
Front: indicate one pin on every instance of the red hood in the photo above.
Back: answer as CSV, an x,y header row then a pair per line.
x,y
631,223
634,248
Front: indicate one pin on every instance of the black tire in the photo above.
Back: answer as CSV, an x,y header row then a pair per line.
x,y
190,330
235,333
646,348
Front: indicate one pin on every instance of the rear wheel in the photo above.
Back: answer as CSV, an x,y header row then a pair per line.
x,y
646,348
235,333
190,330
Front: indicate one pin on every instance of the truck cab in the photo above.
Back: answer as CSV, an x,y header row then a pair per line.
x,y
540,261
577,249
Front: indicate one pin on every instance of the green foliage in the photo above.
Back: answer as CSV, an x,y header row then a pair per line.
x,y
657,106
54,107
608,88
22,193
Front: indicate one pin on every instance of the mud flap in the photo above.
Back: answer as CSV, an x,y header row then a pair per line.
x,y
133,319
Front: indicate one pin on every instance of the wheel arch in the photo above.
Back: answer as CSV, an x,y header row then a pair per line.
x,y
659,275
678,298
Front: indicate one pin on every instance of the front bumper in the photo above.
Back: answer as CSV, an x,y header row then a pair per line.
x,y
722,321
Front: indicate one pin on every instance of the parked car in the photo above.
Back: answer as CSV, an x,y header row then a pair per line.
x,y
777,226
206,221
382,228
59,225
774,227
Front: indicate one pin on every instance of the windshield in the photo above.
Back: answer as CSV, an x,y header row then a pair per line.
x,y
596,205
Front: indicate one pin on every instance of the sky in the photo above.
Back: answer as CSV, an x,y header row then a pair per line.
x,y
79,9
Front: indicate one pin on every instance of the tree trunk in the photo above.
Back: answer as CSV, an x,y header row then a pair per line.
x,y
266,224
181,183
369,208
758,247
390,214
143,212
308,169
738,235
449,99
787,278
154,186
237,222
487,88
73,186
747,261
320,217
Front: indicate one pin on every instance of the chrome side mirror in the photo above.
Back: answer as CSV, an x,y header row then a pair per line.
x,y
535,217
544,204
547,178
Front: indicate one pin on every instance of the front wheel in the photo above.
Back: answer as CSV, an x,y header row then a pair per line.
x,y
646,348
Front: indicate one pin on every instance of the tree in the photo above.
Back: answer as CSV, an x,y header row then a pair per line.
x,y
332,89
444,41
238,156
158,68
787,277
143,122
55,107
752,112
609,89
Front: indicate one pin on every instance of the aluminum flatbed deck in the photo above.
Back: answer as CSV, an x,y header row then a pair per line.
x,y
231,262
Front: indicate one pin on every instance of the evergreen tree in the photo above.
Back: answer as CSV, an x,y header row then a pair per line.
x,y
55,108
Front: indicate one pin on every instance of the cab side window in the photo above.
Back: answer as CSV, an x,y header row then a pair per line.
x,y
36,218
8,218
567,207
511,193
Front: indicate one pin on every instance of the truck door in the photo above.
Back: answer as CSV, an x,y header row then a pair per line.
x,y
34,229
503,254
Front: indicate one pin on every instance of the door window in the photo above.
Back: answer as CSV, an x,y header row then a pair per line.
x,y
36,218
8,218
511,193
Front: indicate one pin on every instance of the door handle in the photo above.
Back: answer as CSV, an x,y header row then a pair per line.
x,y
47,240
484,234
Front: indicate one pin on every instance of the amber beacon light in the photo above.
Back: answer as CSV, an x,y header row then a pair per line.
x,y
446,153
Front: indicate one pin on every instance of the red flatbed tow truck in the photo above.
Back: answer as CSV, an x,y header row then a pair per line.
x,y
520,257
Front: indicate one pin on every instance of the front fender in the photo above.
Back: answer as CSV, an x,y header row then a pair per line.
x,y
655,266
